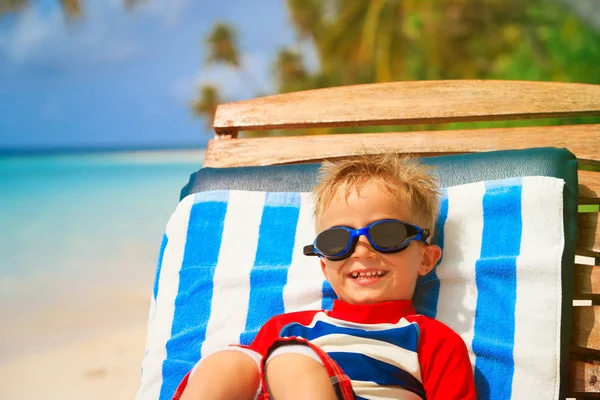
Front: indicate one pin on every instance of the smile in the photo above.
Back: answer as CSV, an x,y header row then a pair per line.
x,y
367,274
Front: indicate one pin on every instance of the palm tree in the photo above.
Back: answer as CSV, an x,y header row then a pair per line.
x,y
380,40
223,48
587,10
360,41
363,41
308,17
71,8
290,72
12,5
206,104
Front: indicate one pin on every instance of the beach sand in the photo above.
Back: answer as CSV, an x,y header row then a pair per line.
x,y
104,367
94,348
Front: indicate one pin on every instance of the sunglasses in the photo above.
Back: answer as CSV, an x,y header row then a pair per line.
x,y
385,236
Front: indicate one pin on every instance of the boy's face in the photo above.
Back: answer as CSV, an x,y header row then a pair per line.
x,y
400,270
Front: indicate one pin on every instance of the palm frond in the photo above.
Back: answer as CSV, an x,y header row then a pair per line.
x,y
222,45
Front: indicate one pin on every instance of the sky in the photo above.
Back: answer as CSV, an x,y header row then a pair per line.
x,y
125,79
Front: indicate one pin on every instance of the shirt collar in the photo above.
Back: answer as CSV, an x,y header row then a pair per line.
x,y
378,313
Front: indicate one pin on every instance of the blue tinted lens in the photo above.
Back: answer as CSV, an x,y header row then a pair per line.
x,y
389,235
333,241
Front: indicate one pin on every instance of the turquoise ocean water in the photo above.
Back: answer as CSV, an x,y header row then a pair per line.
x,y
73,223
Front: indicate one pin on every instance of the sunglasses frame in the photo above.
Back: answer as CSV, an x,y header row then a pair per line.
x,y
421,235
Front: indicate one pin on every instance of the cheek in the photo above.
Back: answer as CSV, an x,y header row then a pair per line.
x,y
331,269
404,260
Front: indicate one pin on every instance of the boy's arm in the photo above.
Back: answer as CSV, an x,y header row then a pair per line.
x,y
446,369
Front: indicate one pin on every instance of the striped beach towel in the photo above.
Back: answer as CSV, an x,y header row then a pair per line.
x,y
232,259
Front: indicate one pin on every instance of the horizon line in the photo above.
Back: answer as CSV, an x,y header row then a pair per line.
x,y
18,151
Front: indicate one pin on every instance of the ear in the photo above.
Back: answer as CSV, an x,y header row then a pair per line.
x,y
323,267
430,256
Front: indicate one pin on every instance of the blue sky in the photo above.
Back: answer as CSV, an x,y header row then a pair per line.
x,y
124,79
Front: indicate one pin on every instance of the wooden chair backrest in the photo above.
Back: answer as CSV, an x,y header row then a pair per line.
x,y
433,102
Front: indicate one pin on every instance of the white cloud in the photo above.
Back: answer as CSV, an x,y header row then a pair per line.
x,y
254,79
260,67
102,36
227,79
32,32
183,90
168,10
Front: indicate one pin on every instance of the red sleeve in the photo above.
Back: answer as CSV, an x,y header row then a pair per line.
x,y
445,365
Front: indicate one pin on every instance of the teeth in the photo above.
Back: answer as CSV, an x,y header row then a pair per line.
x,y
368,274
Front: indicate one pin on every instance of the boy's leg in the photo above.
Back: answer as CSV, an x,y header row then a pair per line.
x,y
298,375
225,375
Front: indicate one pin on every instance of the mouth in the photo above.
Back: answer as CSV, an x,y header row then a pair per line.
x,y
367,276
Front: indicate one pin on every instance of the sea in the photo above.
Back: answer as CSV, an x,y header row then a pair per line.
x,y
79,239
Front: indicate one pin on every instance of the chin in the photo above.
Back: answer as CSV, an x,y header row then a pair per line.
x,y
366,299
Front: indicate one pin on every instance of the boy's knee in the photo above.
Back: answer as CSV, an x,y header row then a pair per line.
x,y
211,378
223,365
233,361
298,376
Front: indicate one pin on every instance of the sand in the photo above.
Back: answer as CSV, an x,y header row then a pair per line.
x,y
103,367
90,347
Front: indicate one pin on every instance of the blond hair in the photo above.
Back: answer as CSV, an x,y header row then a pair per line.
x,y
404,177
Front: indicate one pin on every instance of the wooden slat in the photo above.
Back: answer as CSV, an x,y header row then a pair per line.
x,y
593,254
587,281
584,379
589,186
589,231
398,103
582,140
586,327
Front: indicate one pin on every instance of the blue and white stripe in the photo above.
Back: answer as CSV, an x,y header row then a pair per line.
x,y
538,291
233,283
372,355
499,280
303,290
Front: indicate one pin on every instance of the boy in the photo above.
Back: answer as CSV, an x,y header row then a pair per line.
x,y
374,215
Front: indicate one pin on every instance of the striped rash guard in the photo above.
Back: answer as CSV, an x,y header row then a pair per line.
x,y
386,350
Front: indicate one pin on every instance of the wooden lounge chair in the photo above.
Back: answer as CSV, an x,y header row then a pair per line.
x,y
434,102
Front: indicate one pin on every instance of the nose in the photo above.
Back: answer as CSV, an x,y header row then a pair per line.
x,y
363,248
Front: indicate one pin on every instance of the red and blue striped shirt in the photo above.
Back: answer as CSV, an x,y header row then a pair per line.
x,y
386,350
